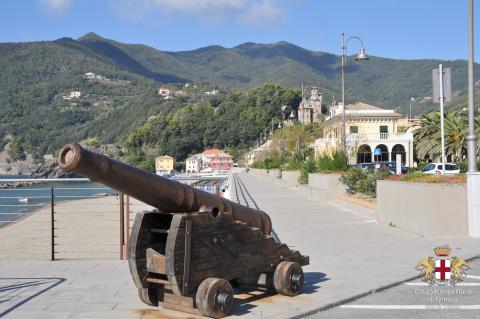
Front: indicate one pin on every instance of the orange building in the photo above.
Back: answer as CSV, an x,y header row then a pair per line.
x,y
216,160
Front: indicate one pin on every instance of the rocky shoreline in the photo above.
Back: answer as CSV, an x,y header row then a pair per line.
x,y
51,170
46,170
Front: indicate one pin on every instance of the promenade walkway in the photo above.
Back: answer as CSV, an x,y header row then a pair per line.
x,y
350,255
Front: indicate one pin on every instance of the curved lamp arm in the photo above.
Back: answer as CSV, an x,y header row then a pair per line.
x,y
359,39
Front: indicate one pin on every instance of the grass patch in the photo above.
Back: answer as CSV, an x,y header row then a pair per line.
x,y
419,177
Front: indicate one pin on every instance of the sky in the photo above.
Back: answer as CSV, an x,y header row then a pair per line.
x,y
401,29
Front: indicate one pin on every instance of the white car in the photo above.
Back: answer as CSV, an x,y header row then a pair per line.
x,y
437,169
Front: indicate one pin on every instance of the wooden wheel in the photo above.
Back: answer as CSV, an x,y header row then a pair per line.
x,y
214,297
288,278
148,296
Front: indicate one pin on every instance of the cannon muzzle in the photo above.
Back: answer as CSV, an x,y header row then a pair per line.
x,y
166,195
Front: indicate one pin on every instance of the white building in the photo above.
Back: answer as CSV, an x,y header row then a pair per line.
x,y
211,93
193,164
373,134
164,92
73,95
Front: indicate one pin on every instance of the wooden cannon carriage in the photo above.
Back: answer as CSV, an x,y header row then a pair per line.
x,y
190,253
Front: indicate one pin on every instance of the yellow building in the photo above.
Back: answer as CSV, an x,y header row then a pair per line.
x,y
164,164
373,134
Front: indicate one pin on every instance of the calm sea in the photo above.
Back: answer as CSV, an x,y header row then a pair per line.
x,y
22,200
25,199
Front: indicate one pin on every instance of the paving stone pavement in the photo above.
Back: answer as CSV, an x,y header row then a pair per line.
x,y
71,289
349,255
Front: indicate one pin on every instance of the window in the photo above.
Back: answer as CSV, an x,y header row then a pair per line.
x,y
451,167
353,129
429,167
383,128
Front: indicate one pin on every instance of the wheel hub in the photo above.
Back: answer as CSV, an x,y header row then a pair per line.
x,y
224,299
297,279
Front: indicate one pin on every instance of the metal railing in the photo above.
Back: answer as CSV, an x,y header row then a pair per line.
x,y
59,222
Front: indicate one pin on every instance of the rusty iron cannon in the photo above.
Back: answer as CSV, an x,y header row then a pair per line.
x,y
189,253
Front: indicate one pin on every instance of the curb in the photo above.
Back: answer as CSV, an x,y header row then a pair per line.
x,y
356,297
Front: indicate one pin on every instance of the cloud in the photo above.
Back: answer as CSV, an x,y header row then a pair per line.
x,y
262,14
250,12
54,7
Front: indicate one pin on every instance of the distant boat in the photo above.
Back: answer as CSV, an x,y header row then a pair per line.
x,y
23,199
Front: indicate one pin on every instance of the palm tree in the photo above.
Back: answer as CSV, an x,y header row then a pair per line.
x,y
427,138
456,130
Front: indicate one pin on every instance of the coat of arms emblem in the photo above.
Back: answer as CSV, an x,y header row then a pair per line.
x,y
443,269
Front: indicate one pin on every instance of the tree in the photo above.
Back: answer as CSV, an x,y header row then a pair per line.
x,y
427,138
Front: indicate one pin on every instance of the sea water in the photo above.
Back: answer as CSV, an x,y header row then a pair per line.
x,y
39,195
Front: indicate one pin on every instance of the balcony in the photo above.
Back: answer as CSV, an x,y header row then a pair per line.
x,y
378,137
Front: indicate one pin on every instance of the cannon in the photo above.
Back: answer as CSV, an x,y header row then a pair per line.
x,y
192,250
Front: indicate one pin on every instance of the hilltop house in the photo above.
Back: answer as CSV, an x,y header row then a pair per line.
x,y
164,92
372,134
73,95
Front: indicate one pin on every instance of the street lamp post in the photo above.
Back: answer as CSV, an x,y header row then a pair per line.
x,y
473,176
471,147
361,57
410,116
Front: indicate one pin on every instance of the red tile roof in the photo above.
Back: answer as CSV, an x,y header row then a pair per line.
x,y
213,151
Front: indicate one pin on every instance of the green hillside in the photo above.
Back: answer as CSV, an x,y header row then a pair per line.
x,y
36,76
379,81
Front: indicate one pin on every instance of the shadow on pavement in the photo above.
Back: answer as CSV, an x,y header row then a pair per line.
x,y
243,306
311,280
31,287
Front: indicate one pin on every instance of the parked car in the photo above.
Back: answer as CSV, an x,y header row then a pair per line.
x,y
387,166
437,169
364,166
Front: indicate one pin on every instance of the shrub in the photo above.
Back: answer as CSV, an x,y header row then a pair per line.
x,y
274,161
359,181
412,176
351,179
418,177
368,185
463,166
307,167
92,142
16,151
293,163
336,161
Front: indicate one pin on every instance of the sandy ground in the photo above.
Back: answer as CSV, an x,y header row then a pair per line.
x,y
87,228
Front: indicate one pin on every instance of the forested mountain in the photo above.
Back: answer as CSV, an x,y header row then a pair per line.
x,y
35,77
380,81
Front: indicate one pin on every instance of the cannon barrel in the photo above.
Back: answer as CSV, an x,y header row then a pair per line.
x,y
166,195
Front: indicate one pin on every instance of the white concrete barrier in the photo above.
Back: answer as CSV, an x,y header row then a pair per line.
x,y
424,209
290,179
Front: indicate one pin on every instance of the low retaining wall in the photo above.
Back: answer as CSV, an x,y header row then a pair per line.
x,y
321,187
290,179
424,209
